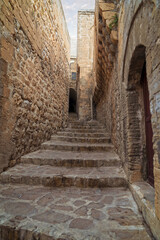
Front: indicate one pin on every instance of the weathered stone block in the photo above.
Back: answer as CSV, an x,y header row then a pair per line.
x,y
108,16
114,36
106,6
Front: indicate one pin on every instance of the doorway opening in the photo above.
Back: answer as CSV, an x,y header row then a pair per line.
x,y
72,101
148,127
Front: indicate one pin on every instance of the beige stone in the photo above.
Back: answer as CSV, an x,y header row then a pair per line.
x,y
108,16
106,6
114,37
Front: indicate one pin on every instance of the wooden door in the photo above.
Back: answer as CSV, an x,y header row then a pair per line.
x,y
148,127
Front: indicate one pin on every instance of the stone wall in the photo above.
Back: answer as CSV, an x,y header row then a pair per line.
x,y
105,45
120,105
34,75
85,79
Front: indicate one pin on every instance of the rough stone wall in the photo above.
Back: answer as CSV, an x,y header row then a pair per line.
x,y
85,86
105,66
34,75
105,45
121,102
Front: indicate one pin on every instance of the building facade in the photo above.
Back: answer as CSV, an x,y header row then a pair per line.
x,y
85,79
127,93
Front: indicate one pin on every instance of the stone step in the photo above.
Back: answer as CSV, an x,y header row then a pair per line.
x,y
67,146
77,130
83,123
73,117
65,177
76,126
71,159
78,122
83,135
81,139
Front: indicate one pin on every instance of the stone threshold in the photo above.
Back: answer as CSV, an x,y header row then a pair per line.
x,y
144,195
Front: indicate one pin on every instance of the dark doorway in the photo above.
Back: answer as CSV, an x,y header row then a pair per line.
x,y
72,100
94,109
148,127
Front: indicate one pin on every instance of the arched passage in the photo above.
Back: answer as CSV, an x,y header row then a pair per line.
x,y
72,100
139,139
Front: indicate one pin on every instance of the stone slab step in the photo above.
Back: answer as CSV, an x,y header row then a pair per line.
x,y
65,177
66,146
83,135
72,159
45,213
84,123
86,127
77,130
73,117
81,139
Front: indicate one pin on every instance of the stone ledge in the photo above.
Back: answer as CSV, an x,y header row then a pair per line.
x,y
144,196
86,12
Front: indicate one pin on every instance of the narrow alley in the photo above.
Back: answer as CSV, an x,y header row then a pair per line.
x,y
80,120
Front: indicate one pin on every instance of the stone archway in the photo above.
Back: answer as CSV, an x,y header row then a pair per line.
x,y
72,101
139,140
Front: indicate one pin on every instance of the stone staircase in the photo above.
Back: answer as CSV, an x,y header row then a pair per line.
x,y
73,188
82,156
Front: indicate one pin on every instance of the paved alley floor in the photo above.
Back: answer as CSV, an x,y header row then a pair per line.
x,y
44,213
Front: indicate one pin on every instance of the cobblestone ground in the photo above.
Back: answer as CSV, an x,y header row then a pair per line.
x,y
44,213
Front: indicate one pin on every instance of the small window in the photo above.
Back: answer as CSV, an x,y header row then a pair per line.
x,y
74,75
